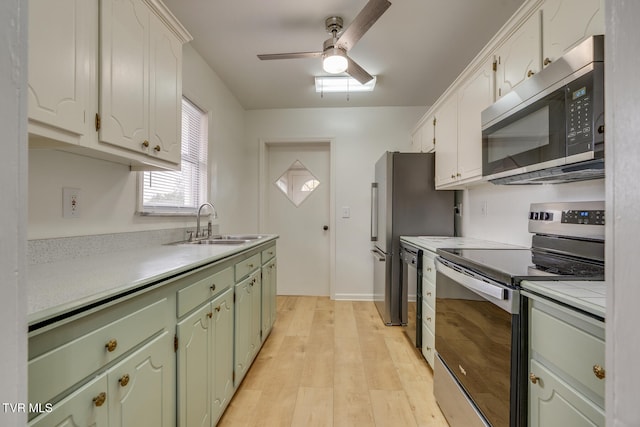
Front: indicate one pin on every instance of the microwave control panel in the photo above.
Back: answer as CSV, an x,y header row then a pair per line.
x,y
579,115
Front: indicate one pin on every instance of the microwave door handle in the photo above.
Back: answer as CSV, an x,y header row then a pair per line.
x,y
374,211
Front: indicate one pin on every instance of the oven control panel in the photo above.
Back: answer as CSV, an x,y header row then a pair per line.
x,y
577,219
595,217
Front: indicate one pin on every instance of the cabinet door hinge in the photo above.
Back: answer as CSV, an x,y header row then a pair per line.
x,y
97,122
233,375
234,297
495,65
175,343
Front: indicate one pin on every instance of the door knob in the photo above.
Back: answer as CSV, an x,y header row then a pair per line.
x,y
325,227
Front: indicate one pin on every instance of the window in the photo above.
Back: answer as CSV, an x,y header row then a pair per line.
x,y
180,192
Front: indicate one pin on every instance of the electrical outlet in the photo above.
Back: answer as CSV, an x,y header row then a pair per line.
x,y
70,202
346,212
483,208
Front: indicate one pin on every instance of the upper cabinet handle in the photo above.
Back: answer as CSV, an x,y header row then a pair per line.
x,y
157,148
530,73
547,61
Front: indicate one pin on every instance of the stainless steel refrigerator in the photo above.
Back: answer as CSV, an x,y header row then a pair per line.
x,y
404,202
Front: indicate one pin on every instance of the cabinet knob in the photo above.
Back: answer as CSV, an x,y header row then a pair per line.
x,y
212,287
428,268
530,73
218,308
428,319
533,378
250,265
157,148
547,61
145,144
598,371
453,176
124,380
111,345
429,294
100,399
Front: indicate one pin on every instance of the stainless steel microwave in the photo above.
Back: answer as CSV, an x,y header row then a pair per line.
x,y
550,128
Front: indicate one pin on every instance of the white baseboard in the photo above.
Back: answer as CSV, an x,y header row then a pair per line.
x,y
353,297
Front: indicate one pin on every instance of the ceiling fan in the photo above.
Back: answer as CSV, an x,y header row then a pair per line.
x,y
334,51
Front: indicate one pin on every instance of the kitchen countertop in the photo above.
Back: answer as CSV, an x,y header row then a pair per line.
x,y
588,296
433,243
56,288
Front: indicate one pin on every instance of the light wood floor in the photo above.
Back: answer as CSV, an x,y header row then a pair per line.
x,y
333,363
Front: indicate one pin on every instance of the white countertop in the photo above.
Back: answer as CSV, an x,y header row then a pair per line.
x,y
433,243
588,296
57,288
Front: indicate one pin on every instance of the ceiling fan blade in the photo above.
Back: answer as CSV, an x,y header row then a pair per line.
x,y
293,55
365,19
357,72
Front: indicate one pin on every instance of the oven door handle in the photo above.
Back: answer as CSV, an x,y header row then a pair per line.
x,y
493,290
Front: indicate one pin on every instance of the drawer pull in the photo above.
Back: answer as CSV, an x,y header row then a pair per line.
x,y
212,287
100,399
428,294
598,371
111,345
210,314
250,265
428,319
533,378
124,380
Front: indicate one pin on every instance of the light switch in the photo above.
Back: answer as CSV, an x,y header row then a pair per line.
x,y
346,212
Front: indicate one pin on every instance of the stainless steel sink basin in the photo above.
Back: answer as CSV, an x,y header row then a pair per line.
x,y
222,239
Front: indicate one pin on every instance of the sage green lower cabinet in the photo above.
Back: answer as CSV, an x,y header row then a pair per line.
x,y
566,366
269,293
247,323
205,362
172,355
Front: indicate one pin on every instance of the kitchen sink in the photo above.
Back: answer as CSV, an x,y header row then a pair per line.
x,y
222,239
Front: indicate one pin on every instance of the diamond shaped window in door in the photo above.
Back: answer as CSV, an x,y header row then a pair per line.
x,y
297,183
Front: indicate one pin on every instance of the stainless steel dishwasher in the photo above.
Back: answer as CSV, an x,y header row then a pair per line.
x,y
411,281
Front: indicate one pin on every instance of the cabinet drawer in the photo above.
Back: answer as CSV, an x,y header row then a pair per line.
x,y
246,266
569,348
429,292
428,344
195,294
79,408
429,268
53,372
268,253
428,316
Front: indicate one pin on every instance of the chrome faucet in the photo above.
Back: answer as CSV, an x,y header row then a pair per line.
x,y
215,215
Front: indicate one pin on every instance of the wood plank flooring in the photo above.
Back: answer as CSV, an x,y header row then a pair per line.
x,y
333,363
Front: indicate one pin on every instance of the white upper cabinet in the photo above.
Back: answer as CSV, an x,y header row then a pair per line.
x,y
59,68
518,57
106,77
446,133
567,22
422,138
475,95
141,80
124,68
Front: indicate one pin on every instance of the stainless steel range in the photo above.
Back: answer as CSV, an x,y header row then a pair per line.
x,y
478,377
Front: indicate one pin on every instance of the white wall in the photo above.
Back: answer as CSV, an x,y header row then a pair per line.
x,y
360,137
508,207
13,175
109,190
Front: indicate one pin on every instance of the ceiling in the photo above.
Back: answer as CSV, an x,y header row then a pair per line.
x,y
416,49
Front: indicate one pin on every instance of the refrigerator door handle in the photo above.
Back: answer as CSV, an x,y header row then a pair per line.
x,y
374,211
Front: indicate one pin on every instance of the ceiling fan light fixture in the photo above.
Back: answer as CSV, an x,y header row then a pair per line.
x,y
334,61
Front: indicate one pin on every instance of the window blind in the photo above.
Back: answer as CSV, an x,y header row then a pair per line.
x,y
175,192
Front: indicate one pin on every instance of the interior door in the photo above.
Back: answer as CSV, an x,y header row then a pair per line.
x,y
297,209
